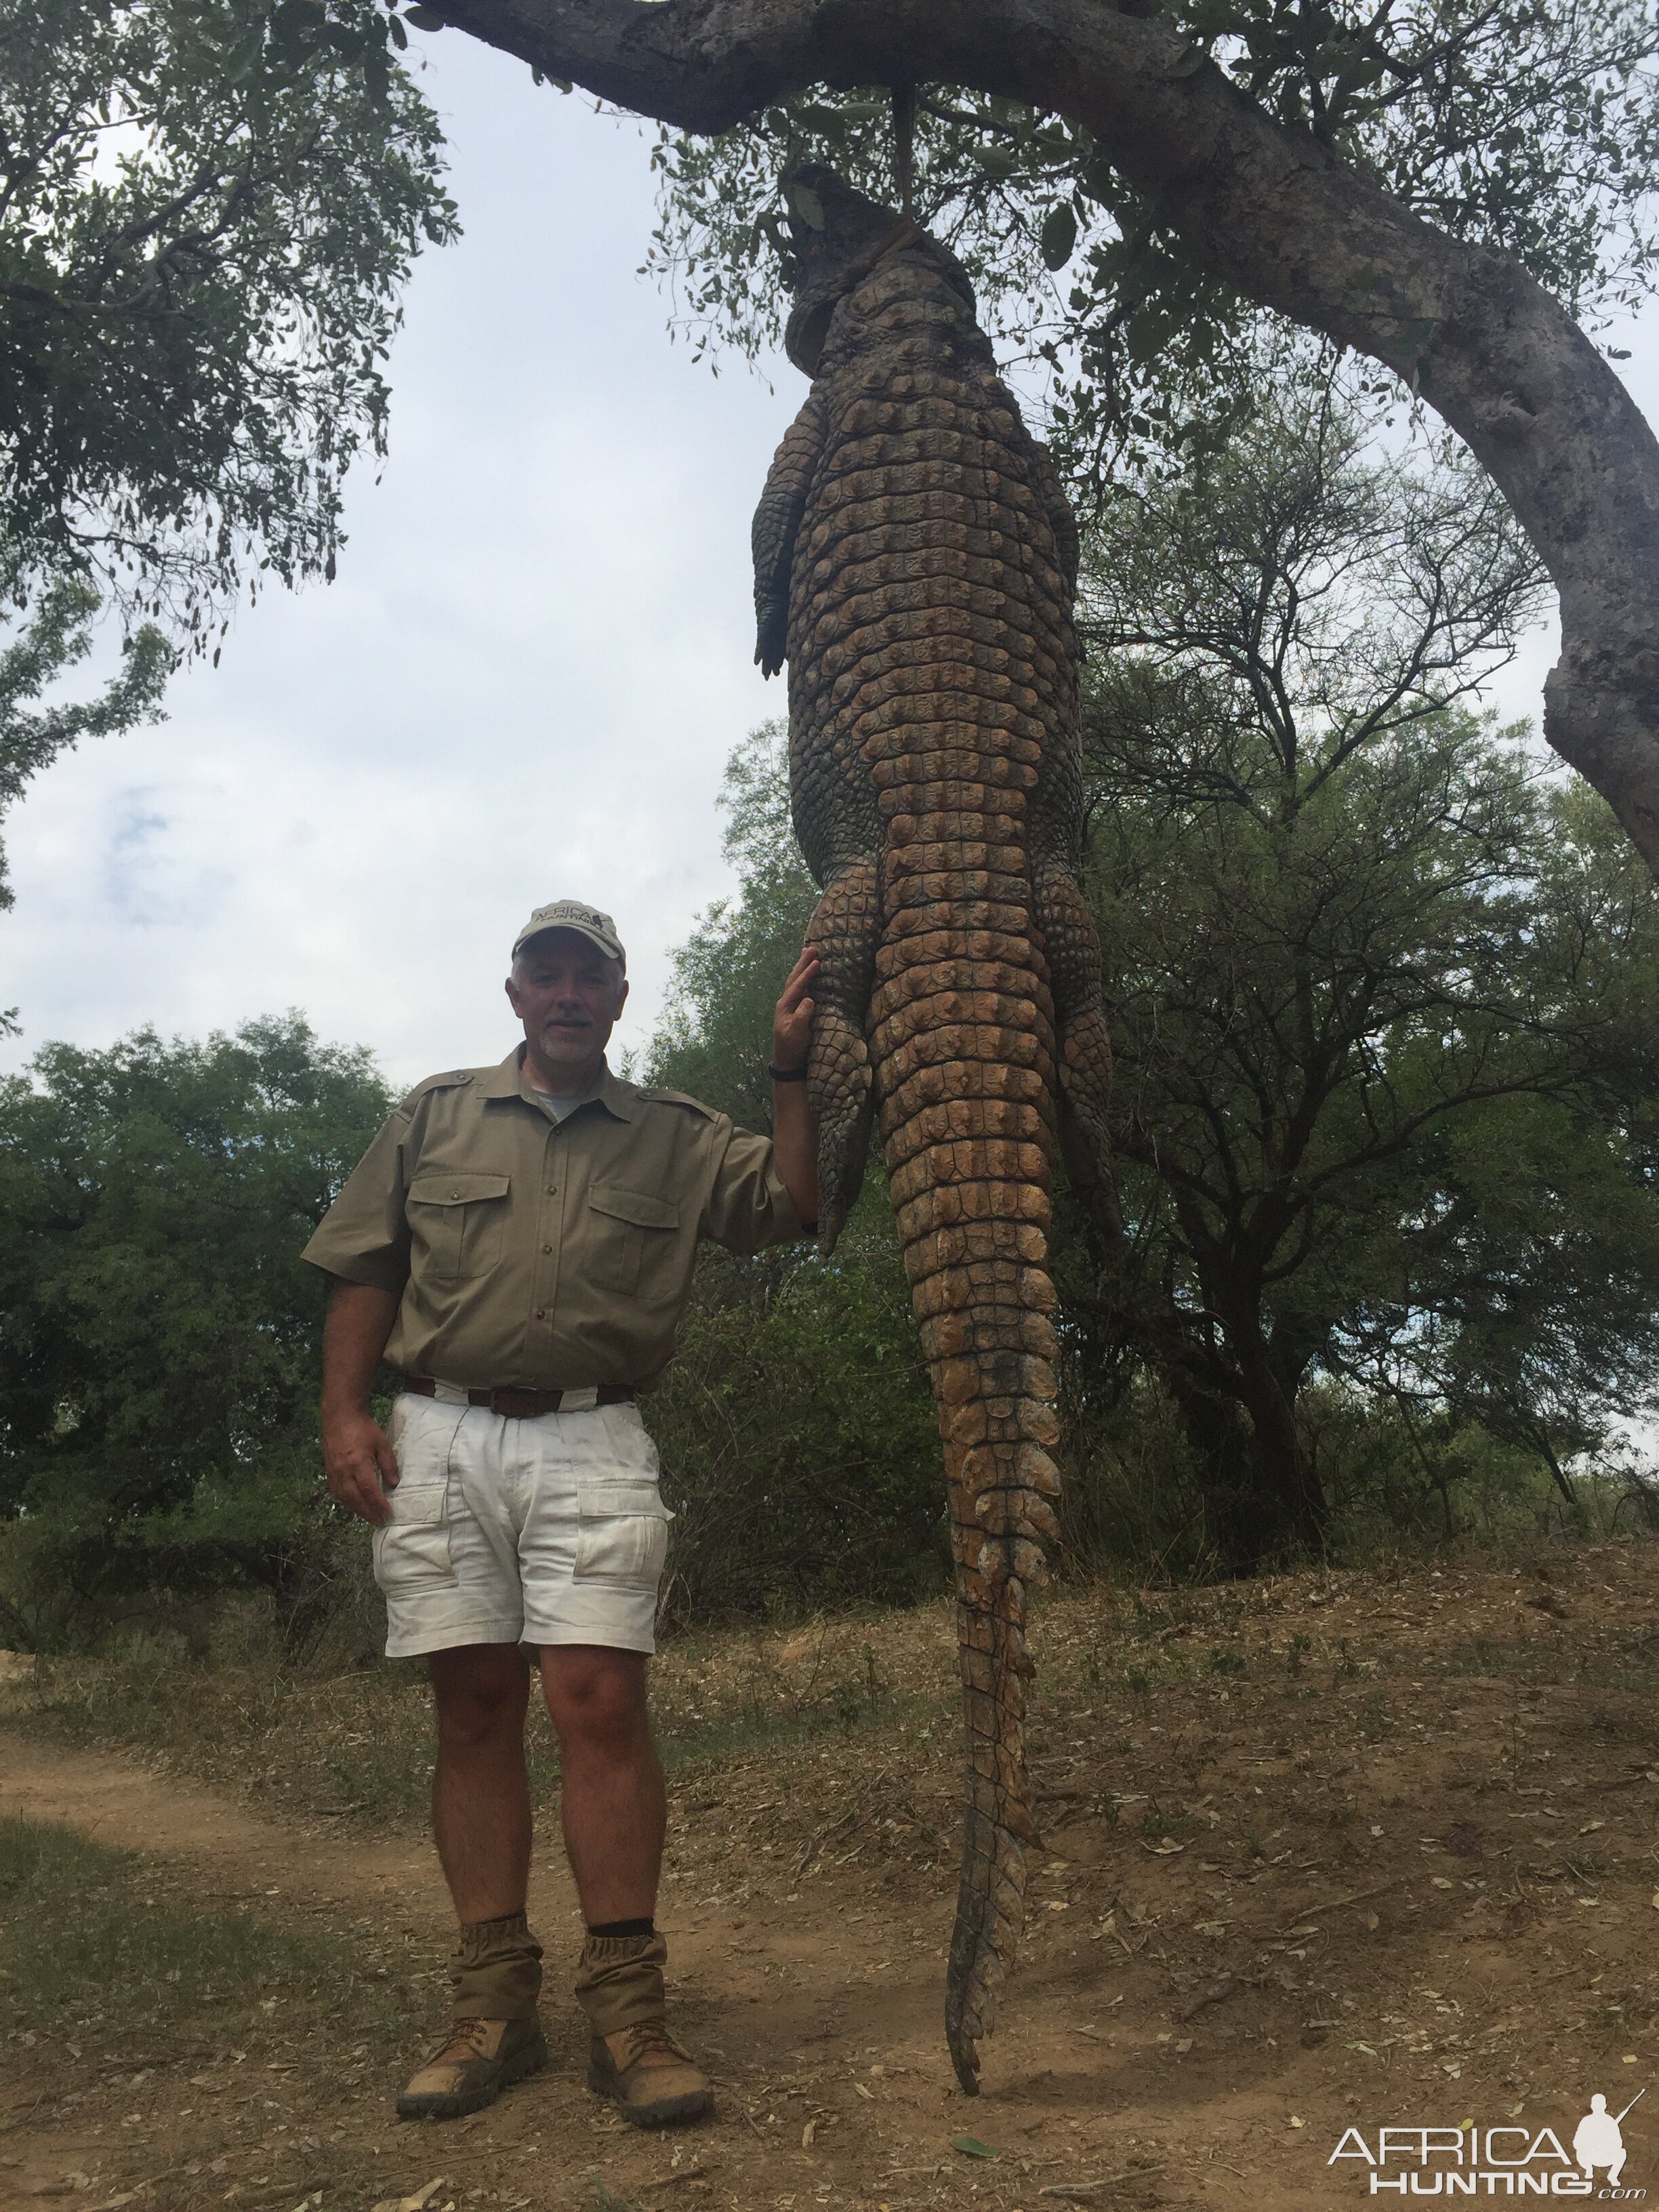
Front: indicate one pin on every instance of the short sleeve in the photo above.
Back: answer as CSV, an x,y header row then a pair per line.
x,y
748,1206
364,1235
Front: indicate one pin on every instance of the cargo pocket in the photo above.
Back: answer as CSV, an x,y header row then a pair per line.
x,y
412,1548
458,1219
630,1231
623,1539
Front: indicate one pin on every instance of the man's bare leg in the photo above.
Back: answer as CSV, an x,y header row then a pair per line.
x,y
616,1811
480,1794
480,1820
615,1807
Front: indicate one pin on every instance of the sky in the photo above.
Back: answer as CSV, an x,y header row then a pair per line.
x,y
523,685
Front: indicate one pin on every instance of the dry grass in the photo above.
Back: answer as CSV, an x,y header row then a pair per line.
x,y
357,1744
853,1694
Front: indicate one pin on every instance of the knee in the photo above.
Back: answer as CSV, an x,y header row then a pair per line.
x,y
596,1699
479,1694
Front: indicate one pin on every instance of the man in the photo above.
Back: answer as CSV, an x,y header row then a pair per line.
x,y
518,1243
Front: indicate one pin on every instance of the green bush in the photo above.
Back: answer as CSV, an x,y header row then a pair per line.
x,y
160,1335
798,1435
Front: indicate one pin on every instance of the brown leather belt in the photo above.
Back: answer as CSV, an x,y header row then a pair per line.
x,y
523,1405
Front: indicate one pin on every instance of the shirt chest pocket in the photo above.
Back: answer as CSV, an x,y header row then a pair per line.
x,y
458,1221
629,1232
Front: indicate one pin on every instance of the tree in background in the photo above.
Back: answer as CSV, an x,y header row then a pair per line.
x,y
1384,998
1381,1000
717,1020
159,1337
207,209
1520,1298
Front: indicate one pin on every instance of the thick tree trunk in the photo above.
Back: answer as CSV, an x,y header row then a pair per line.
x,y
1272,212
1290,1506
1236,1528
1262,1502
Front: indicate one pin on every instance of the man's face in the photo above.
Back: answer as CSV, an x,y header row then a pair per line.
x,y
568,996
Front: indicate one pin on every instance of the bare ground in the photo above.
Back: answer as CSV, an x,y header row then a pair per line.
x,y
1337,1850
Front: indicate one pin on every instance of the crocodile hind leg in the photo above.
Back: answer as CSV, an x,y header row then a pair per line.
x,y
845,928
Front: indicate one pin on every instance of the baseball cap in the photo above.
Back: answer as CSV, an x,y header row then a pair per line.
x,y
574,914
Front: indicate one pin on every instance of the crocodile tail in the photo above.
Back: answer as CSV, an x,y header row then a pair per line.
x,y
962,1031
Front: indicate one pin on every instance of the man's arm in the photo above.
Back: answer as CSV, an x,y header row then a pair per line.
x,y
794,1125
357,1450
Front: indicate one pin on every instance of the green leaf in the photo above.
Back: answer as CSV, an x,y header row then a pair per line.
x,y
971,2147
805,206
1058,236
423,19
1189,62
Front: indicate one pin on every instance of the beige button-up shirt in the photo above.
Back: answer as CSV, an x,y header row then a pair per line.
x,y
547,1255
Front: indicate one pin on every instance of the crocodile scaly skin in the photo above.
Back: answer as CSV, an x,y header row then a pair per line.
x,y
915,562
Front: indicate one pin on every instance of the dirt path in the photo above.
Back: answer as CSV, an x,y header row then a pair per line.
x,y
233,1854
1318,1893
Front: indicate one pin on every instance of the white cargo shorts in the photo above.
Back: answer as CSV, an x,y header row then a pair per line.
x,y
545,1531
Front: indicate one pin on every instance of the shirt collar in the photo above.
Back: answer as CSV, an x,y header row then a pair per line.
x,y
618,1099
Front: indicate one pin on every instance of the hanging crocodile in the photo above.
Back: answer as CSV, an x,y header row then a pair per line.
x,y
915,561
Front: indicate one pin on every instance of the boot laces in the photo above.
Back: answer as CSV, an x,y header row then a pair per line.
x,y
649,2039
467,2039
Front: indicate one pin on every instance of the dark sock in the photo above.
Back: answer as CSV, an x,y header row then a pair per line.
x,y
646,1927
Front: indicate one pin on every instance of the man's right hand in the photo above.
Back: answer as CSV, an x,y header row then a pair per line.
x,y
360,1464
357,1455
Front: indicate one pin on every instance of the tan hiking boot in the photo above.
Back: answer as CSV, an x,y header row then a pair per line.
x,y
647,2075
480,2060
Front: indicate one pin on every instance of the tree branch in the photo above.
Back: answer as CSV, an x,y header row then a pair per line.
x,y
1270,210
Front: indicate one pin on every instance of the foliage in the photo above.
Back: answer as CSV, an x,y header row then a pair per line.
x,y
207,210
716,1025
1381,998
1515,122
800,1436
1539,1319
159,1348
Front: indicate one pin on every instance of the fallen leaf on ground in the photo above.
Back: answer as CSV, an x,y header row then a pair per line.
x,y
971,2147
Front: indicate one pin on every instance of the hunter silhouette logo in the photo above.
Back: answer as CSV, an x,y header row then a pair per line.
x,y
1501,2161
1596,2140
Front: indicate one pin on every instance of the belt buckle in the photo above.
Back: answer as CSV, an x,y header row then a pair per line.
x,y
498,1391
